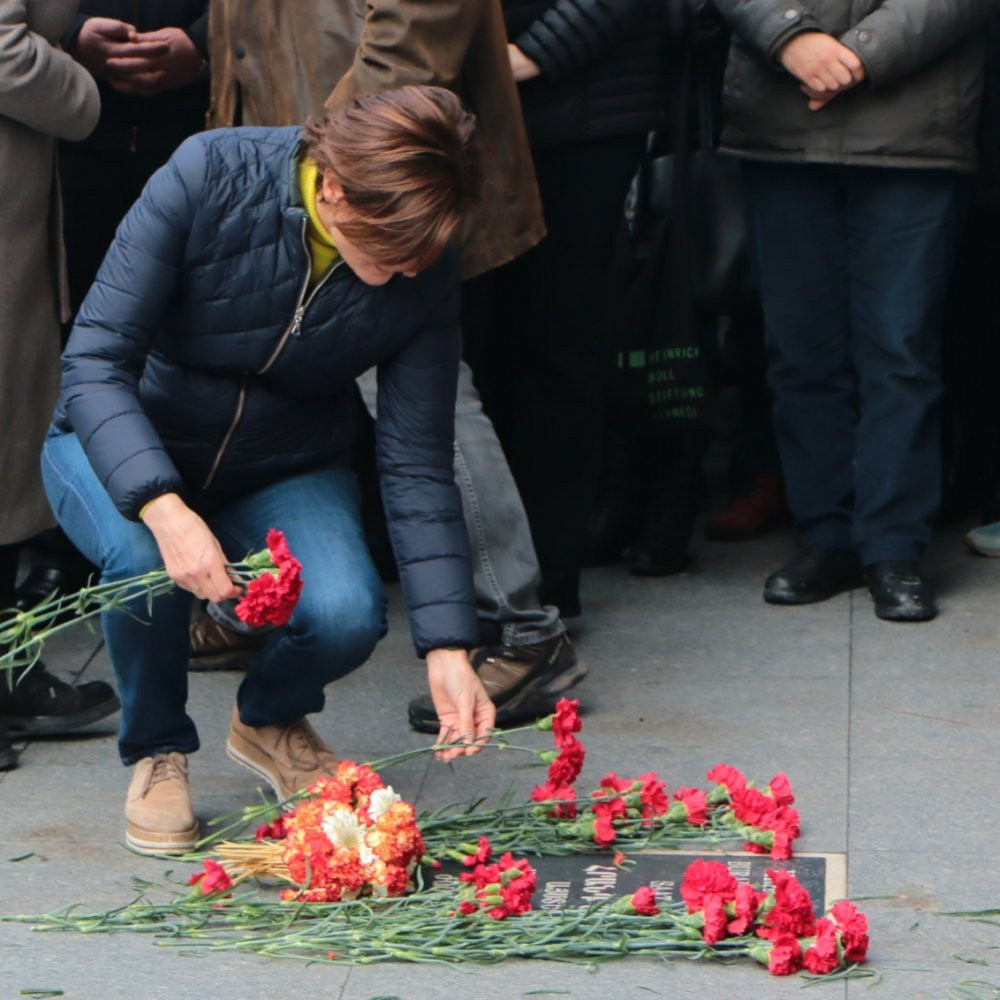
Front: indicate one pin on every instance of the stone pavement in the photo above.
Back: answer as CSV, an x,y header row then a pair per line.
x,y
890,734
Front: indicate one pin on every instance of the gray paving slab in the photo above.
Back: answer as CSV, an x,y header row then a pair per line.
x,y
889,733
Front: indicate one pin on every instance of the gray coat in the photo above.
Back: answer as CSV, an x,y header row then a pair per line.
x,y
44,95
917,108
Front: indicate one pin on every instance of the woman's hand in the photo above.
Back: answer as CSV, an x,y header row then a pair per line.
x,y
462,704
191,554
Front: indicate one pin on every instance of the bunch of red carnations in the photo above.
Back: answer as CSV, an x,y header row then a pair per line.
x,y
271,581
626,809
791,936
500,889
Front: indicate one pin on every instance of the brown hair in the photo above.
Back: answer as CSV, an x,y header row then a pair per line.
x,y
409,168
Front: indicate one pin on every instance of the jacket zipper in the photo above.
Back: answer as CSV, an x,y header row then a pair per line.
x,y
292,330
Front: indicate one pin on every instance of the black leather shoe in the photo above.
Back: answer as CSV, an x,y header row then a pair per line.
x,y
42,704
900,592
42,582
815,573
8,756
662,548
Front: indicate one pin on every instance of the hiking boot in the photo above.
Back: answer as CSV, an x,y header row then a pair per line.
x,y
750,514
289,758
8,755
158,814
524,682
212,646
40,704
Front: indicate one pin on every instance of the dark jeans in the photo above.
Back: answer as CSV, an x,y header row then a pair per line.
x,y
853,264
537,341
334,628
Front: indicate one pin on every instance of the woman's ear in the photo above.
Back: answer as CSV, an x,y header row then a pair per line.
x,y
330,189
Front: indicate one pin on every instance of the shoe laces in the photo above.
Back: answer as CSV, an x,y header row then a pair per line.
x,y
165,768
304,746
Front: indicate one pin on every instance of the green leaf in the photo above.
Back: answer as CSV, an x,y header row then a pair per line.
x,y
23,857
41,991
969,959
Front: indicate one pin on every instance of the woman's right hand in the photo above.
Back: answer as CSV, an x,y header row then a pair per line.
x,y
191,554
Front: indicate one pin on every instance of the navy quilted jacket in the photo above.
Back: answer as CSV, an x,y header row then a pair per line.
x,y
198,365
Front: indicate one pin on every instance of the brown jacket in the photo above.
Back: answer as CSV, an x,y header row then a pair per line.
x,y
276,63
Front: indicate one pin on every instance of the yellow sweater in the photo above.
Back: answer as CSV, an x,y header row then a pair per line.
x,y
322,252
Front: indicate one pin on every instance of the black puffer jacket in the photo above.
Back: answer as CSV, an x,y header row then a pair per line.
x,y
196,365
600,62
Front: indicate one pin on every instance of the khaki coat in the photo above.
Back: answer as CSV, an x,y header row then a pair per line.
x,y
44,96
275,63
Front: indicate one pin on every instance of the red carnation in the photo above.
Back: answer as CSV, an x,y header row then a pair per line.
x,y
563,793
786,955
271,831
653,798
732,779
213,878
482,855
853,927
566,768
780,789
822,955
566,721
706,878
792,912
644,901
695,804
716,920
270,599
743,908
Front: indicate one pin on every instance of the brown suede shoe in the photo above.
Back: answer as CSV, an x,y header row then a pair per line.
x,y
158,814
212,646
289,758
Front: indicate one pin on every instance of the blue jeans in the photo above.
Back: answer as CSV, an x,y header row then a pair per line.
x,y
853,264
505,569
334,628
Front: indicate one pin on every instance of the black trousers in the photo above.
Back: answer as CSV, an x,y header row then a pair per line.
x,y
537,342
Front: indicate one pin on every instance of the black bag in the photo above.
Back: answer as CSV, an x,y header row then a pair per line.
x,y
680,262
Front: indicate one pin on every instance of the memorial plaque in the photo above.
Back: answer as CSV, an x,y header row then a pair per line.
x,y
583,879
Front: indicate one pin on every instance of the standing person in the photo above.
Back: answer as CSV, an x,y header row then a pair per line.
x,y
856,123
208,395
44,95
274,68
149,63
591,86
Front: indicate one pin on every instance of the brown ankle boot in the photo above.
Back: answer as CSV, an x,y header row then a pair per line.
x,y
158,815
289,758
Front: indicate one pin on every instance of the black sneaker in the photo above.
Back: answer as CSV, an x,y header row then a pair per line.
x,y
524,682
8,756
40,704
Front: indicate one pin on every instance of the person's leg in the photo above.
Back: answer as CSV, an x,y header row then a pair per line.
x,y
550,357
148,651
798,241
904,230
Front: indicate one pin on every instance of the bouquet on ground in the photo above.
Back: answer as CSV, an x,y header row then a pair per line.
x,y
271,580
350,836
